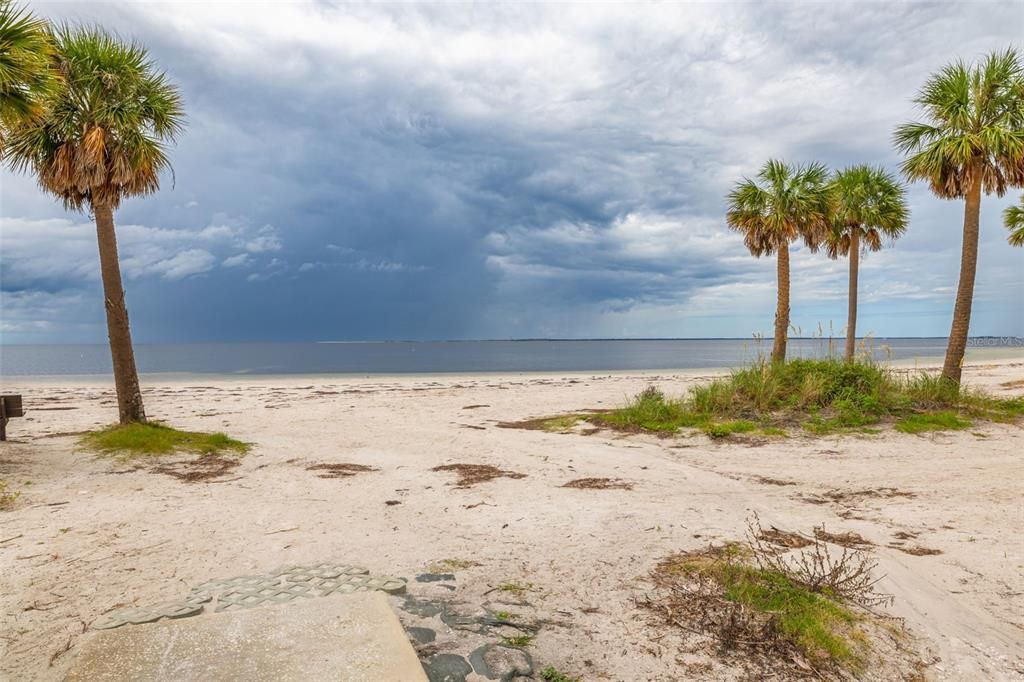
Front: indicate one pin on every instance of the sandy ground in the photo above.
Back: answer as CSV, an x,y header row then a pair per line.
x,y
89,534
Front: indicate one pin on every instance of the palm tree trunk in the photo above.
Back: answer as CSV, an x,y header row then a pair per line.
x,y
126,377
782,307
953,365
851,311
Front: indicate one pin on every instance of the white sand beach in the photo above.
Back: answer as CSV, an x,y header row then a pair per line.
x,y
89,534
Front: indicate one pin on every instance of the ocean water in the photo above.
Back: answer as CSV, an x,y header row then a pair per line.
x,y
433,356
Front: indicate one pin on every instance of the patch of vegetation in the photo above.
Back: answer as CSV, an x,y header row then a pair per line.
x,y
821,396
518,641
135,440
7,496
558,424
515,588
552,674
935,421
809,601
504,615
728,428
452,565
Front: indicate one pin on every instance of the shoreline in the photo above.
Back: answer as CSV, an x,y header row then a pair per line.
x,y
975,357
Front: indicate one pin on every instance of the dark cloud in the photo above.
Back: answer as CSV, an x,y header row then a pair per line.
x,y
358,172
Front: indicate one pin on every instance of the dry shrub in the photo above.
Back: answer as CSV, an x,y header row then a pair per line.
x,y
793,613
848,577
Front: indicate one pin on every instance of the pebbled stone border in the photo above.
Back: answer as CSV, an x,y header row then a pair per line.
x,y
284,584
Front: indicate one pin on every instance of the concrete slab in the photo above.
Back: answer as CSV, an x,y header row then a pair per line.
x,y
350,638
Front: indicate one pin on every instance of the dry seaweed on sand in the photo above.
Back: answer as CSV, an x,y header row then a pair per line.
x,y
847,539
197,469
471,474
339,469
599,484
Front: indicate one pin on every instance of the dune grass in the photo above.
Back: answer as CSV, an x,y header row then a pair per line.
x,y
154,439
819,396
821,627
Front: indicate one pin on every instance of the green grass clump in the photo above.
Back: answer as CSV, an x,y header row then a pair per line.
x,y
552,674
515,588
936,421
728,428
650,410
134,440
518,641
7,496
821,627
822,396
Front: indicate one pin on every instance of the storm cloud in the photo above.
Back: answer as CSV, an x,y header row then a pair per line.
x,y
491,171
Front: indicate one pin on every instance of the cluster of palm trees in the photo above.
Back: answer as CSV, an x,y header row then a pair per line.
x,y
971,141
89,116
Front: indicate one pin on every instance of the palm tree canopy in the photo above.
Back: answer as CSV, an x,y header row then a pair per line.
x,y
1014,218
105,130
26,73
867,199
974,125
784,203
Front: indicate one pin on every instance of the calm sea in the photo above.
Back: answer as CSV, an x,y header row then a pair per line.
x,y
431,356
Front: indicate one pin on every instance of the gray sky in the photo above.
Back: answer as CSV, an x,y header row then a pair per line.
x,y
491,171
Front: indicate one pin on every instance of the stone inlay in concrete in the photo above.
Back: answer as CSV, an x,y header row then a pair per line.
x,y
136,615
356,639
285,584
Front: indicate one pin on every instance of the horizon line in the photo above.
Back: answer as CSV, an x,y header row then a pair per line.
x,y
524,339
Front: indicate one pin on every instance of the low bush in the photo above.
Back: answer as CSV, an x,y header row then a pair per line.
x,y
822,396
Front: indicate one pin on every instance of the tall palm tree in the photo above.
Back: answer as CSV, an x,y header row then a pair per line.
x,y
972,141
1013,216
785,203
103,139
868,203
26,73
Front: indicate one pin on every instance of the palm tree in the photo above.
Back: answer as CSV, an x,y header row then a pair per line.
x,y
102,139
868,204
26,56
1013,216
972,141
783,204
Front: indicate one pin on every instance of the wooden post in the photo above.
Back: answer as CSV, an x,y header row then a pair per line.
x,y
10,406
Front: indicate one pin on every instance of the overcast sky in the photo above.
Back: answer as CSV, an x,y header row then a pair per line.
x,y
495,171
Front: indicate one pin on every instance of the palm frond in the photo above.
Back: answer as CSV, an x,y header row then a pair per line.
x,y
783,204
1014,219
26,66
105,132
974,128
